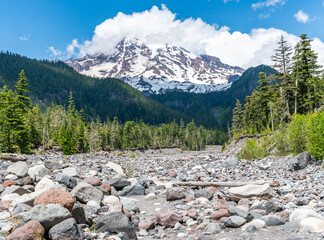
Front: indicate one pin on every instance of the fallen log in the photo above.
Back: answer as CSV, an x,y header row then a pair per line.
x,y
13,158
225,184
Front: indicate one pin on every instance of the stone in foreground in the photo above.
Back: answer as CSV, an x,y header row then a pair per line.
x,y
32,230
234,222
312,225
251,190
168,217
115,222
55,196
68,229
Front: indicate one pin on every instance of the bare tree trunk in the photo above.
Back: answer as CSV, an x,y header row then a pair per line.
x,y
271,116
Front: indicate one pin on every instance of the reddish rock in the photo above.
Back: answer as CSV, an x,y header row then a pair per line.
x,y
220,213
192,213
4,205
172,174
32,230
94,181
56,196
127,213
146,224
28,180
8,183
190,199
106,187
218,207
284,215
175,195
168,217
192,231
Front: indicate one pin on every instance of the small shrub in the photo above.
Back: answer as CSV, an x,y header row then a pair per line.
x,y
297,134
315,135
132,155
252,150
282,142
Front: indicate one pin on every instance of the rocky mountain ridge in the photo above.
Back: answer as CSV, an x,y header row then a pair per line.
x,y
160,69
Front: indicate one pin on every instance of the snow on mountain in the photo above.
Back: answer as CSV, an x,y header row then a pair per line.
x,y
155,70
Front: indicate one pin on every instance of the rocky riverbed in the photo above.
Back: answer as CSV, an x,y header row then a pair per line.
x,y
139,195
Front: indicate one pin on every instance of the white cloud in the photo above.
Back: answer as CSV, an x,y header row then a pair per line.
x,y
226,1
54,52
24,38
159,26
267,3
302,17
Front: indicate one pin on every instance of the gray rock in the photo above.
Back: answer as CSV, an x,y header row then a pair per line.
x,y
15,189
299,162
212,228
68,181
20,169
67,229
19,208
70,171
38,171
53,165
118,183
230,162
234,222
78,214
48,215
273,220
85,192
234,211
203,193
115,222
251,229
129,205
144,181
136,189
291,226
271,206
175,195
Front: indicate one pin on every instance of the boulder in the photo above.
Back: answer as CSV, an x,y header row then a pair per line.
x,y
115,222
234,221
235,211
136,189
116,167
55,196
251,190
32,230
146,224
302,213
273,220
175,195
20,169
299,162
203,193
312,224
52,165
48,215
78,214
85,192
44,184
68,181
118,183
67,229
38,172
258,223
168,218
70,171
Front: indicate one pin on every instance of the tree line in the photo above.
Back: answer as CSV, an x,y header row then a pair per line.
x,y
296,88
24,127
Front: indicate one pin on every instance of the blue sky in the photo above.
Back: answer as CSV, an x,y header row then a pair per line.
x,y
44,28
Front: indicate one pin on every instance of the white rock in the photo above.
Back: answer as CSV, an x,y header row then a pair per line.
x,y
109,200
303,213
93,173
93,203
203,201
252,190
70,171
4,215
38,171
258,223
20,169
312,224
44,184
149,195
12,196
116,167
11,177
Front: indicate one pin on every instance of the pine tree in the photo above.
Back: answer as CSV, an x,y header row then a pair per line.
x,y
237,118
21,87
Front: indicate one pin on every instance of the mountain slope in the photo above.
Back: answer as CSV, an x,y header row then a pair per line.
x,y
52,82
214,109
155,70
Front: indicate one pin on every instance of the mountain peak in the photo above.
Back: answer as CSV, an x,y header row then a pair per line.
x,y
155,70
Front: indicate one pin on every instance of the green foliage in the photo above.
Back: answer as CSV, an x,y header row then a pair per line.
x,y
252,150
297,133
315,135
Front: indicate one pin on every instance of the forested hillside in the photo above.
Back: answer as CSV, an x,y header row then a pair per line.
x,y
214,109
51,82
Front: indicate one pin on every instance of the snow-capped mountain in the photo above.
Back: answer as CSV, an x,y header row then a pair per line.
x,y
158,70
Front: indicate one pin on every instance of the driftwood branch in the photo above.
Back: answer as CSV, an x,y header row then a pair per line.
x,y
13,158
225,184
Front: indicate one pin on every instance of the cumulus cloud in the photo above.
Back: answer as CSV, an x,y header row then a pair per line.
x,y
267,3
54,52
159,26
302,17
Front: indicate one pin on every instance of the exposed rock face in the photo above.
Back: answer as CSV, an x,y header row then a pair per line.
x,y
167,68
56,196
